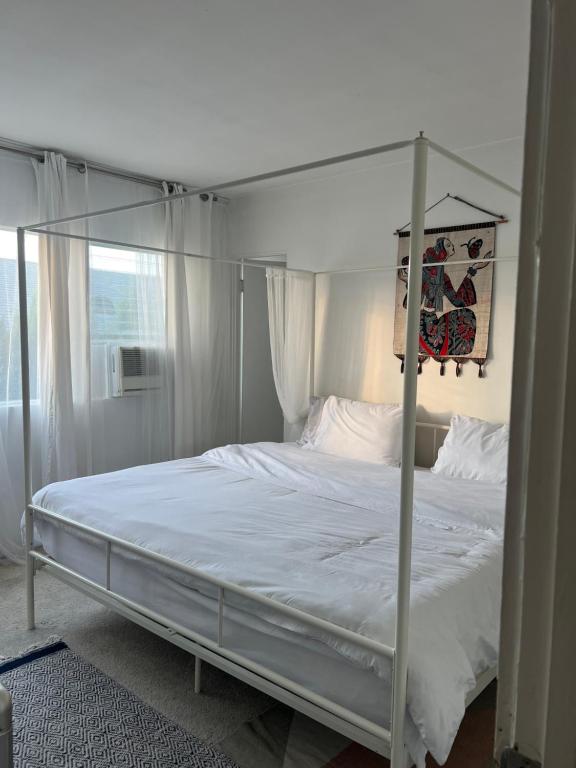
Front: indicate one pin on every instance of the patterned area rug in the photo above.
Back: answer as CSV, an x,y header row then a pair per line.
x,y
68,714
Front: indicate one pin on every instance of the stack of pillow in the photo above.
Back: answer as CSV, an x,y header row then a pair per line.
x,y
473,450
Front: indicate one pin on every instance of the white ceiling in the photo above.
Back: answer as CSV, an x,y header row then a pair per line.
x,y
204,90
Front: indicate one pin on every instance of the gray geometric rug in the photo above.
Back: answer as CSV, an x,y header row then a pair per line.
x,y
68,714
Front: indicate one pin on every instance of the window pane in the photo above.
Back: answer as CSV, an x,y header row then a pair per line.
x,y
126,296
126,307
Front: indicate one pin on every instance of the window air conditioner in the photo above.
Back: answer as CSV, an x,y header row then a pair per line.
x,y
134,370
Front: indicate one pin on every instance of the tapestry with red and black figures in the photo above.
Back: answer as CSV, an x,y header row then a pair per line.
x,y
456,295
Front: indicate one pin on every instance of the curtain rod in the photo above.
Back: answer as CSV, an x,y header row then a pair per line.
x,y
27,150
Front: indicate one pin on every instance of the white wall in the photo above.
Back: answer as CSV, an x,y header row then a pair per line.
x,y
349,220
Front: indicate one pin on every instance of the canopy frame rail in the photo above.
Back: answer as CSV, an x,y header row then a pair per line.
x,y
268,176
258,263
420,146
123,245
398,267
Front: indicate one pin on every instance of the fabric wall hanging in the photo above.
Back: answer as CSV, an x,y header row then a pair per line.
x,y
456,297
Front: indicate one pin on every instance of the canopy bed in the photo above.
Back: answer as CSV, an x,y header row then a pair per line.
x,y
332,642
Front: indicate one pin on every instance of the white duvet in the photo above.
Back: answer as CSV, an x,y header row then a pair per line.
x,y
320,533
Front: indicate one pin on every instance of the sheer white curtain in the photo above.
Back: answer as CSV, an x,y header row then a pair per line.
x,y
11,450
64,333
290,315
10,503
82,287
127,310
202,303
153,432
18,206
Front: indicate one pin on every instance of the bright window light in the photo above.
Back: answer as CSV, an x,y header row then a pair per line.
x,y
126,296
126,307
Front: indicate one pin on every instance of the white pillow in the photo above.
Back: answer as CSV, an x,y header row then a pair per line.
x,y
313,421
474,450
363,431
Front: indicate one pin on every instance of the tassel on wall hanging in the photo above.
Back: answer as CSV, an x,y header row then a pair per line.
x,y
456,292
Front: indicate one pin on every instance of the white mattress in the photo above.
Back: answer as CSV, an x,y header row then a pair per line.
x,y
319,533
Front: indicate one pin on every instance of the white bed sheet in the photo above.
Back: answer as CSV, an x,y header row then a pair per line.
x,y
320,533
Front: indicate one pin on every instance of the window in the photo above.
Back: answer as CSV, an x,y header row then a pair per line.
x,y
126,307
126,296
10,382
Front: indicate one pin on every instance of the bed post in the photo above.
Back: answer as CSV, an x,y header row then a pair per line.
x,y
25,369
240,428
398,758
313,340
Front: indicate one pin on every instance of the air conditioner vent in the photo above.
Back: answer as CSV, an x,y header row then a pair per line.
x,y
134,369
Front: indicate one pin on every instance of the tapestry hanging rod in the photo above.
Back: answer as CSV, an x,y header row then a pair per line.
x,y
499,218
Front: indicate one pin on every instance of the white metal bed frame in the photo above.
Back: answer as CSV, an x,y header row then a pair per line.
x,y
388,742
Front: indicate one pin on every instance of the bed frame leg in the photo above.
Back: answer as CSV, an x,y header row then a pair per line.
x,y
197,674
26,430
30,572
